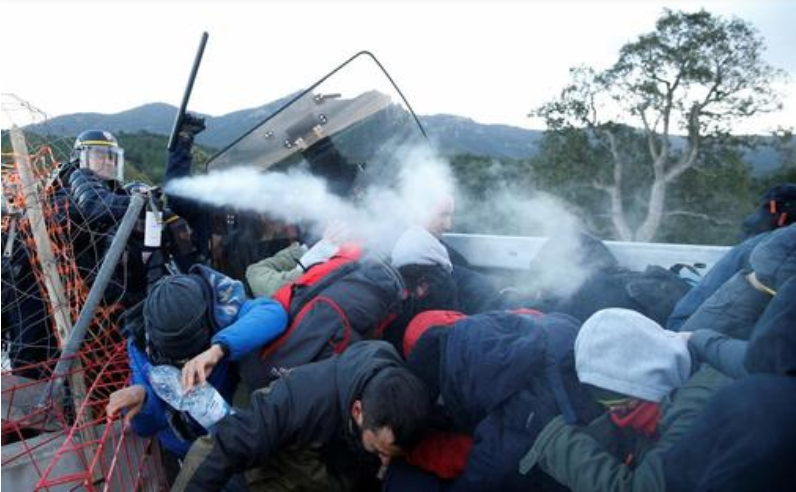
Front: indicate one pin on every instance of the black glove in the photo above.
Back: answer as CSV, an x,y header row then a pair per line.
x,y
190,127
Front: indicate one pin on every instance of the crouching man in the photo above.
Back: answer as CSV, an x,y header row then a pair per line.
x,y
313,428
642,374
201,323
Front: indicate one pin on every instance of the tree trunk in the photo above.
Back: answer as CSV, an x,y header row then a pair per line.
x,y
649,228
618,214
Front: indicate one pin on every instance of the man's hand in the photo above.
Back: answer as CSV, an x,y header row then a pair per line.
x,y
132,398
197,370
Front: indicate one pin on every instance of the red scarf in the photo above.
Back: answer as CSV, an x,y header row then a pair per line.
x,y
643,419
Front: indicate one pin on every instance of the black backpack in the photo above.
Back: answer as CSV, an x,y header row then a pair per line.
x,y
653,292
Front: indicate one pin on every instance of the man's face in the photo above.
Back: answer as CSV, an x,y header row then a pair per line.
x,y
101,160
381,442
442,221
378,441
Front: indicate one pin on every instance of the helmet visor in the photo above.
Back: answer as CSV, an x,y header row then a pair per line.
x,y
106,161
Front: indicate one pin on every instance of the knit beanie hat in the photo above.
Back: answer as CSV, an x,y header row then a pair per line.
x,y
175,317
625,352
417,246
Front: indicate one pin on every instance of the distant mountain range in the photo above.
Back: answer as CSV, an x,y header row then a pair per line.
x,y
454,134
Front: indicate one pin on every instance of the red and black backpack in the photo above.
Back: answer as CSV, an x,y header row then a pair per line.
x,y
318,277
331,306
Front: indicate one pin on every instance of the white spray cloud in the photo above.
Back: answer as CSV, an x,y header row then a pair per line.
x,y
423,184
379,215
559,269
382,212
293,196
510,209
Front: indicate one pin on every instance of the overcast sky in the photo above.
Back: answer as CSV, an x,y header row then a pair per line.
x,y
489,60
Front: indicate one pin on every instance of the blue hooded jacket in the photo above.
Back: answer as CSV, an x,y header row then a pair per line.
x,y
502,377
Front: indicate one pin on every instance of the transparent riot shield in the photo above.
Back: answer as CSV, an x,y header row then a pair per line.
x,y
350,127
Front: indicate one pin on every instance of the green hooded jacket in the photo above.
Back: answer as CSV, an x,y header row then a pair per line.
x,y
581,458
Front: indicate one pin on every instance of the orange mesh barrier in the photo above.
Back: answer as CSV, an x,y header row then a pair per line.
x,y
62,442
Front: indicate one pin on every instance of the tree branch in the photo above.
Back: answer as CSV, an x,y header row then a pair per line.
x,y
693,146
699,215
618,165
650,137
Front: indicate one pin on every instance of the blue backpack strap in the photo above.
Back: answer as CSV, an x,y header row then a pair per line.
x,y
553,377
561,331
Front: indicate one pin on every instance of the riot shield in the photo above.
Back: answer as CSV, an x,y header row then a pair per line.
x,y
349,127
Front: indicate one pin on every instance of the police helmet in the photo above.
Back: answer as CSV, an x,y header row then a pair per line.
x,y
99,151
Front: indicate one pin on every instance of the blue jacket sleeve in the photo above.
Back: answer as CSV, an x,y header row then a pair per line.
x,y
152,417
259,322
723,353
499,442
482,471
735,260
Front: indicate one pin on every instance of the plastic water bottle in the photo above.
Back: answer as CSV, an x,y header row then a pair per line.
x,y
204,403
165,380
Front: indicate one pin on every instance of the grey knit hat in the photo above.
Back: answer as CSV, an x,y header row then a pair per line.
x,y
175,318
624,351
417,246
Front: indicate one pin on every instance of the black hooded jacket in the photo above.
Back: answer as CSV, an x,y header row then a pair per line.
x,y
310,406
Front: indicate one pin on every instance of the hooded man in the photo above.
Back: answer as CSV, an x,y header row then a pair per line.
x,y
746,437
500,377
426,269
641,373
723,344
777,210
735,307
340,409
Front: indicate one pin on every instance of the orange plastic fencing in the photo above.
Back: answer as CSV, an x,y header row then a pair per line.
x,y
62,442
